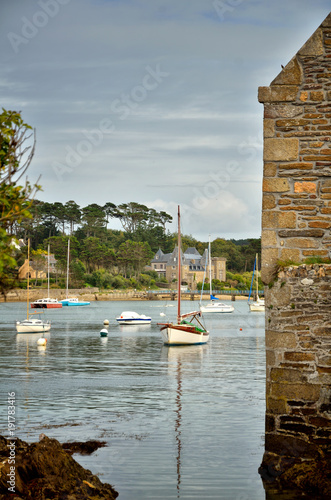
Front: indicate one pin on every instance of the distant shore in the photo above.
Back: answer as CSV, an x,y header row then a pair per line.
x,y
94,294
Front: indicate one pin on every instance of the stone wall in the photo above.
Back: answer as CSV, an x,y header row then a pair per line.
x,y
296,221
298,382
297,156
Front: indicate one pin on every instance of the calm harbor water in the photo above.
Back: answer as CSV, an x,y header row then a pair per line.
x,y
179,422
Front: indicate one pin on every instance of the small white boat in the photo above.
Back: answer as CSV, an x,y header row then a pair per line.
x,y
133,318
32,325
73,301
257,305
214,306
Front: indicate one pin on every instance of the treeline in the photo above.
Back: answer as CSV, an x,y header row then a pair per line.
x,y
105,257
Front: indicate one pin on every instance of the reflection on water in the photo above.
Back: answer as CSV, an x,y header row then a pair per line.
x,y
180,422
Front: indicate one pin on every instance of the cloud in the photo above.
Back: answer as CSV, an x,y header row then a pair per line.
x,y
197,130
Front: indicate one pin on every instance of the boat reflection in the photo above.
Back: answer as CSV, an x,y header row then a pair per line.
x,y
178,357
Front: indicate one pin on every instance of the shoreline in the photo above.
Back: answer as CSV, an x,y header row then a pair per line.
x,y
94,294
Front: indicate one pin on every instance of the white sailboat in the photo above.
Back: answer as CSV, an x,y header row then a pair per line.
x,y
215,305
47,303
258,304
71,301
31,325
188,329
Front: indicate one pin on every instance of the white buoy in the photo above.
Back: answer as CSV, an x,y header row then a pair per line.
x,y
103,332
162,314
106,322
42,341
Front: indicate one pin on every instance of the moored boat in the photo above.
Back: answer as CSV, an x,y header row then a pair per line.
x,y
32,325
46,303
188,329
73,301
133,318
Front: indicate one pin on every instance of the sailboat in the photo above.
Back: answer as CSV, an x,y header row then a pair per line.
x,y
46,303
214,306
31,325
188,329
258,304
71,301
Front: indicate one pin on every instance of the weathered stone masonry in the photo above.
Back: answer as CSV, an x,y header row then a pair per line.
x,y
296,221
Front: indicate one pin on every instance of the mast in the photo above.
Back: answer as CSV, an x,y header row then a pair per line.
x,y
210,282
179,268
28,282
48,250
68,267
257,277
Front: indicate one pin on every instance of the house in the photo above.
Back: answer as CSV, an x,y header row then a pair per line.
x,y
193,266
37,269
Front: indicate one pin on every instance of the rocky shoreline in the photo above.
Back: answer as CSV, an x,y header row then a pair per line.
x,y
45,470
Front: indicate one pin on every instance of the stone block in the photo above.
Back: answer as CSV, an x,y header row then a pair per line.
x,y
270,169
278,93
281,149
274,185
269,264
290,75
276,406
304,233
301,243
287,220
287,374
304,392
305,187
291,254
313,46
268,127
269,238
268,202
280,340
297,166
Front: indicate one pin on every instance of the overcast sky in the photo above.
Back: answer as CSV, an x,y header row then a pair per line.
x,y
152,101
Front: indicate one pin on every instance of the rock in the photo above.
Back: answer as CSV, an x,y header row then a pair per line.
x,y
44,471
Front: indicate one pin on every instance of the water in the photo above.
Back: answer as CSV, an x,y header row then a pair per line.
x,y
179,422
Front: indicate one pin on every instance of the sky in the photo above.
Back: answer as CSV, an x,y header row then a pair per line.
x,y
151,101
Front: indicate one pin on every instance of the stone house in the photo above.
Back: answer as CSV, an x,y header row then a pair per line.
x,y
193,265
36,270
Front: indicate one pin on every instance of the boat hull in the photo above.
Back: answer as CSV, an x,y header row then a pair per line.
x,y
217,308
256,307
31,327
179,335
133,321
46,305
72,303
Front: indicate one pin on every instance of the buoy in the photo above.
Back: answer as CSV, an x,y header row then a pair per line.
x,y
103,332
241,329
42,341
106,322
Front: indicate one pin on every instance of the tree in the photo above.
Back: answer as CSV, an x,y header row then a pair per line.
x,y
15,200
72,214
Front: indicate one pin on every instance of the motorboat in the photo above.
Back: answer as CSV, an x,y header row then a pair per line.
x,y
133,318
73,301
214,306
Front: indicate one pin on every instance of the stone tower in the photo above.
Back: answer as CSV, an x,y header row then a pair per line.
x,y
296,221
